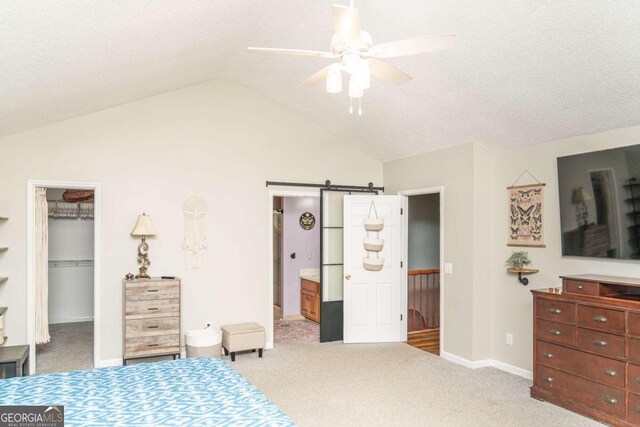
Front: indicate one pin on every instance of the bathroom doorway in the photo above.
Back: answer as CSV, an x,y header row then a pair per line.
x,y
296,263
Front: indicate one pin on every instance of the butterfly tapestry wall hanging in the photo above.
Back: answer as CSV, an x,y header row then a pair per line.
x,y
526,215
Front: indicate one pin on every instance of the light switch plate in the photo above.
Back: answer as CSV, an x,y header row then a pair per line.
x,y
448,268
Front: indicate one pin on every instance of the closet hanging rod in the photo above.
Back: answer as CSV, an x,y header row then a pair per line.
x,y
326,185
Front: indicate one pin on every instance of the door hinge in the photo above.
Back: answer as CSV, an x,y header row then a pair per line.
x,y
401,211
401,264
401,317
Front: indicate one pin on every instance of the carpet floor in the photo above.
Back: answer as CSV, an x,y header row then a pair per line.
x,y
339,384
70,348
292,331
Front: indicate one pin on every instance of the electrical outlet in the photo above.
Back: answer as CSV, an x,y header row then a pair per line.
x,y
448,268
509,339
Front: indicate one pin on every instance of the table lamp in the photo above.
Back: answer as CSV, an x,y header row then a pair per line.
x,y
143,228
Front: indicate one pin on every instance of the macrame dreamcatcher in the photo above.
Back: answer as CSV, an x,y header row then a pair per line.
x,y
373,224
195,238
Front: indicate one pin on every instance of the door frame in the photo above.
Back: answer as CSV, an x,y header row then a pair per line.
x,y
277,193
32,184
405,250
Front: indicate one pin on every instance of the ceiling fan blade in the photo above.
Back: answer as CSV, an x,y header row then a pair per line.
x,y
298,52
413,46
387,72
346,23
316,77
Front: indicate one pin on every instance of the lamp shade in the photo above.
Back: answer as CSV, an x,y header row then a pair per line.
x,y
143,226
580,195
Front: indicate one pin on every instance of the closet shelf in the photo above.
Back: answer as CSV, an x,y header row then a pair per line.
x,y
71,263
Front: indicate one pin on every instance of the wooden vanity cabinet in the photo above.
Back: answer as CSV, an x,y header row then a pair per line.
x,y
310,299
587,347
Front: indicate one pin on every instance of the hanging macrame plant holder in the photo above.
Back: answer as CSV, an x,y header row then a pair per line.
x,y
373,245
195,239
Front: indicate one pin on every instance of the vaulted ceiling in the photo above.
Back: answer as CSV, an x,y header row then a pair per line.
x,y
524,71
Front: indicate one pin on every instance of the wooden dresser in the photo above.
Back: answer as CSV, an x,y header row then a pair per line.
x,y
587,347
151,324
310,299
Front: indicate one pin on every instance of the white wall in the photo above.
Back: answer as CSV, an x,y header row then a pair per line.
x,y
70,288
147,155
424,231
304,243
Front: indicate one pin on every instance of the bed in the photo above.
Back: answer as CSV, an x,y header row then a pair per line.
x,y
188,392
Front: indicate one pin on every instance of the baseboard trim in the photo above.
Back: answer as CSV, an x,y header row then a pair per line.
x,y
73,320
293,317
109,362
486,364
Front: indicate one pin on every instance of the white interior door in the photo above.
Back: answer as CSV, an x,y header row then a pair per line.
x,y
373,303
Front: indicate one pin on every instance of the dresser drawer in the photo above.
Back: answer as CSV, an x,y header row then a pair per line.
x,y
601,369
634,350
580,287
633,378
597,396
634,409
149,346
556,332
602,319
152,291
152,308
557,311
634,324
152,327
601,343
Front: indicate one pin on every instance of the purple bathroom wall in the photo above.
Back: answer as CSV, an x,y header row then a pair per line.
x,y
304,243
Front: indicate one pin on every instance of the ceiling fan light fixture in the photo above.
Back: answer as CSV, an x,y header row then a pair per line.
x,y
355,87
334,79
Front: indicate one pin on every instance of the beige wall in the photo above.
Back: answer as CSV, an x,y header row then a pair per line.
x,y
512,302
453,169
482,301
147,156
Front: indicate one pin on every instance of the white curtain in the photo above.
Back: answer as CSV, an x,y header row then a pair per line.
x,y
42,266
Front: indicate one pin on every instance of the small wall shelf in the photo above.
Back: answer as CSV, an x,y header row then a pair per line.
x,y
522,271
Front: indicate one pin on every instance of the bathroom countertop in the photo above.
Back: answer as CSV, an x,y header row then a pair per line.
x,y
311,277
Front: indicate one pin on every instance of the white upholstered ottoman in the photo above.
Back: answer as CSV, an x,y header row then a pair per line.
x,y
242,336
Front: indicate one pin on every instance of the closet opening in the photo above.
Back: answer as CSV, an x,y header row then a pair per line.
x,y
296,269
63,276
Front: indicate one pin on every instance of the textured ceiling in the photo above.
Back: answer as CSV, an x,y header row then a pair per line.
x,y
524,71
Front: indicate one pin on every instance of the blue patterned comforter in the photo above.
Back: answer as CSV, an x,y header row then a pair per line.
x,y
188,392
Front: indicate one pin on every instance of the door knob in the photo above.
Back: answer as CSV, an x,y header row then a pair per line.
x,y
348,277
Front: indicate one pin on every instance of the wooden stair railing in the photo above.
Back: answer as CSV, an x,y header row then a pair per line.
x,y
423,301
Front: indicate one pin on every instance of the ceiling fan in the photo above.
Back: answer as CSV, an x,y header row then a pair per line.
x,y
359,58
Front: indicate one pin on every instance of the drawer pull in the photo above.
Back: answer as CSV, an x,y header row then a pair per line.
x,y
610,399
638,409
152,290
610,372
600,343
555,310
600,318
638,380
152,327
554,332
547,355
152,345
580,286
152,308
547,379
